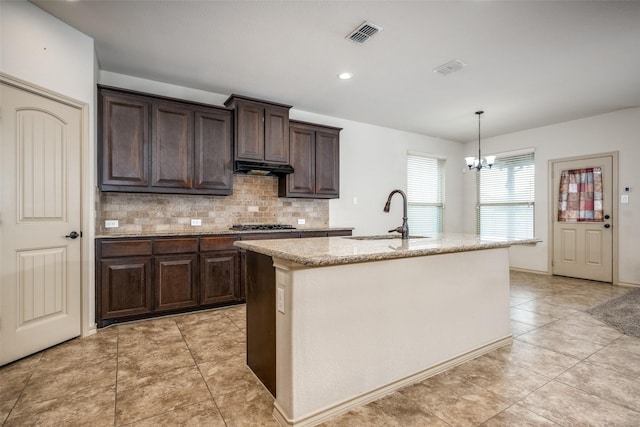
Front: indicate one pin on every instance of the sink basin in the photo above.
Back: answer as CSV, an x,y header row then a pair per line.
x,y
383,237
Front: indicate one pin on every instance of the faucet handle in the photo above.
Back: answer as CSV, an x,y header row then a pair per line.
x,y
397,229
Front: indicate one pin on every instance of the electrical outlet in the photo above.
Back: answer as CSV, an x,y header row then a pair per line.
x,y
111,223
281,300
301,221
624,198
252,208
196,222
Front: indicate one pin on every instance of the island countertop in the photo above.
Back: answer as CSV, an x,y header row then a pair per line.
x,y
325,251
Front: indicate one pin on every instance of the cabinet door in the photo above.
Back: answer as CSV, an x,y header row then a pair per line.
x,y
213,157
276,140
327,164
123,135
171,146
219,277
125,287
302,180
175,281
250,132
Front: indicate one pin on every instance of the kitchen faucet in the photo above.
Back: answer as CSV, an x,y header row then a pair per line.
x,y
404,229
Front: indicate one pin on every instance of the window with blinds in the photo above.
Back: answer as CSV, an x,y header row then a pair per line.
x,y
425,194
506,197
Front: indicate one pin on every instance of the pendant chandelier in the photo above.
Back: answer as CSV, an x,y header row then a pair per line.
x,y
478,163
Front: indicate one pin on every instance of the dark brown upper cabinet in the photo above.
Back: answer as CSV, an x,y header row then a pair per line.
x,y
171,145
159,145
124,140
213,169
315,157
261,130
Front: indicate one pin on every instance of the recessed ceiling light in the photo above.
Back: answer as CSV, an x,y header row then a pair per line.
x,y
345,76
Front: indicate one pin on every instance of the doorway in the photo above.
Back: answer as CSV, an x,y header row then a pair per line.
x,y
41,160
583,242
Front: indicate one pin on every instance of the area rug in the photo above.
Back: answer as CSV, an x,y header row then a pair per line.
x,y
622,313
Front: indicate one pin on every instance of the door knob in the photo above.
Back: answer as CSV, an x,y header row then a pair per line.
x,y
73,235
607,225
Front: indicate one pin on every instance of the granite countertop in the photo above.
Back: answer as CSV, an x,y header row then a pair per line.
x,y
324,251
221,232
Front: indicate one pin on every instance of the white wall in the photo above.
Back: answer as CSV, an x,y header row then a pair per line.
x,y
618,131
44,51
372,161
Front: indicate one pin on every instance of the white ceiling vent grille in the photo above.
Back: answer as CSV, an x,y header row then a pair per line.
x,y
450,67
364,32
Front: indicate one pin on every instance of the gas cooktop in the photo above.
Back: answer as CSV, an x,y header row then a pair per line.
x,y
247,227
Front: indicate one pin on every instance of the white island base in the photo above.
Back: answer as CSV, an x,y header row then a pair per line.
x,y
348,334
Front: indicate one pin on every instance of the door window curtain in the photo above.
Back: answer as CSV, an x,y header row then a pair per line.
x,y
580,195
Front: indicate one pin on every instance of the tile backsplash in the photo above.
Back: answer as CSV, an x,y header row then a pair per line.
x,y
254,201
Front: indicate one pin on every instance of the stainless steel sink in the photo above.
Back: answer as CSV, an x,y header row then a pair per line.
x,y
383,237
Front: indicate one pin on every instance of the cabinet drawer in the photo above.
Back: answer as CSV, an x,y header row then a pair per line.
x,y
339,233
217,243
305,234
175,246
125,248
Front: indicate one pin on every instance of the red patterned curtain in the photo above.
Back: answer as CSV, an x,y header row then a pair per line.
x,y
580,195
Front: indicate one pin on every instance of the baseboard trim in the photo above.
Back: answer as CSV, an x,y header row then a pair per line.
x,y
628,285
525,270
334,410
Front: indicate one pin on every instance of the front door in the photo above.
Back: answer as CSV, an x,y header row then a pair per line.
x,y
40,162
584,248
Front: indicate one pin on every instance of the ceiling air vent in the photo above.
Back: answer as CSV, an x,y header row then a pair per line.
x,y
450,67
364,32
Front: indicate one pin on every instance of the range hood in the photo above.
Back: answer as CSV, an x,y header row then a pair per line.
x,y
260,168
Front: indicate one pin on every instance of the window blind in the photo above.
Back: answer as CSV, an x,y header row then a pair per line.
x,y
425,194
506,196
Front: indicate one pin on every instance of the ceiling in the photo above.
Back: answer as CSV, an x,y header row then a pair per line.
x,y
529,63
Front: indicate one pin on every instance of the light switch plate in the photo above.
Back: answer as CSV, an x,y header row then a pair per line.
x,y
301,221
196,222
111,223
624,198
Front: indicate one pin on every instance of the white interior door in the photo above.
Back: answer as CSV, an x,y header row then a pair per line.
x,y
40,186
584,249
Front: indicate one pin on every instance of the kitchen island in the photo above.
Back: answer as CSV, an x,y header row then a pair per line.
x,y
336,322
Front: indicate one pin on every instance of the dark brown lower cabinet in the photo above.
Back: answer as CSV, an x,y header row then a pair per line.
x,y
125,287
145,277
219,277
175,281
